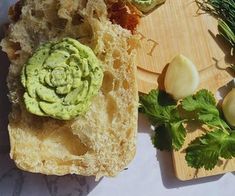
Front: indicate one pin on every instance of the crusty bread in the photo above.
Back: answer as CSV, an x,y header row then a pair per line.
x,y
103,141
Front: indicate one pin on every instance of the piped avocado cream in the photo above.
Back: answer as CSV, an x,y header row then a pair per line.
x,y
60,79
147,5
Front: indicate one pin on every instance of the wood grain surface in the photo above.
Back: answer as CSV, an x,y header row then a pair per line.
x,y
177,28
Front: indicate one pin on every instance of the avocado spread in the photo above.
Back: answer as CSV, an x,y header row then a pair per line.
x,y
60,79
147,5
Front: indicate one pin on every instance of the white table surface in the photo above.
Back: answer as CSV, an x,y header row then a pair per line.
x,y
149,174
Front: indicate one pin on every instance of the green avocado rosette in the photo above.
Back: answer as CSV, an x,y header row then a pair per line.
x,y
147,5
60,79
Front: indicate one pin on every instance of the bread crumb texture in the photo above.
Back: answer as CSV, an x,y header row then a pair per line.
x,y
103,141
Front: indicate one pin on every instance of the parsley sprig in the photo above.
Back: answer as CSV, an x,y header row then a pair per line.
x,y
162,111
169,118
205,151
203,105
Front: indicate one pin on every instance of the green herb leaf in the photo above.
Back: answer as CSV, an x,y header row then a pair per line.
x,y
205,151
224,11
203,100
169,136
203,104
157,105
226,31
162,138
178,134
162,111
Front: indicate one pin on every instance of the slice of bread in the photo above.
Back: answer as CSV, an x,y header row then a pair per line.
x,y
103,141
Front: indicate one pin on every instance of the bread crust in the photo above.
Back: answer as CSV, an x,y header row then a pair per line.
x,y
103,141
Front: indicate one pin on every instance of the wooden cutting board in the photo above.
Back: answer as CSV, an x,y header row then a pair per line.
x,y
175,28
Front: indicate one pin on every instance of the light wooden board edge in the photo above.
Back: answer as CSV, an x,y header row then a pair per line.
x,y
212,78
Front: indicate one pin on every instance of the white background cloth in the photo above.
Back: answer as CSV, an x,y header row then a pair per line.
x,y
149,174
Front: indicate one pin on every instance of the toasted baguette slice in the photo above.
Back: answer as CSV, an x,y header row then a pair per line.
x,y
103,141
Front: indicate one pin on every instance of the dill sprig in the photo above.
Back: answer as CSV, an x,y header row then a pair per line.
x,y
224,11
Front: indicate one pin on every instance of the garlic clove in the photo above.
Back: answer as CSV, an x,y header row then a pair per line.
x,y
228,107
182,77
